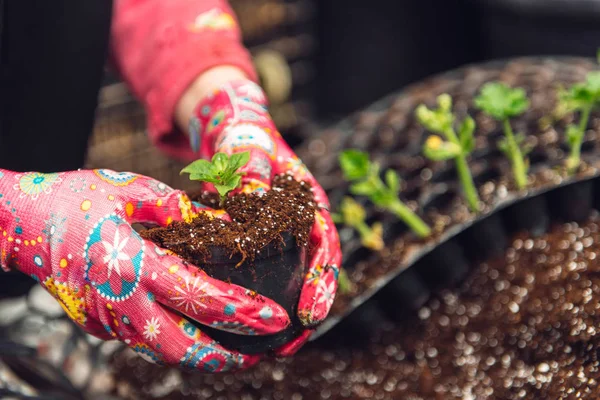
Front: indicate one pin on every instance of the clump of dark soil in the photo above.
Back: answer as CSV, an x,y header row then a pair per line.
x,y
256,221
523,326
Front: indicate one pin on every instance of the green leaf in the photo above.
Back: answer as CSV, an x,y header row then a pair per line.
x,y
393,181
352,211
354,164
500,101
465,135
220,162
363,188
225,188
198,167
437,149
204,178
598,56
238,160
593,83
439,120
382,198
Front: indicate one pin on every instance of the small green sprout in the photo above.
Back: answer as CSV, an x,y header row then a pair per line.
x,y
221,171
345,285
502,102
457,147
581,98
364,175
353,215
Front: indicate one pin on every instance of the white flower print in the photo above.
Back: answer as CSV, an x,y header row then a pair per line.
x,y
189,295
115,253
151,329
325,292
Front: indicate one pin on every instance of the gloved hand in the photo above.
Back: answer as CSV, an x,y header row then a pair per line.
x,y
72,233
234,118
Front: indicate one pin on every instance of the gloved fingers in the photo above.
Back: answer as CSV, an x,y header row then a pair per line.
x,y
212,302
320,284
291,348
164,338
149,207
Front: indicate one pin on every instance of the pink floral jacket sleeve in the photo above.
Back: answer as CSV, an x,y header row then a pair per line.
x,y
161,46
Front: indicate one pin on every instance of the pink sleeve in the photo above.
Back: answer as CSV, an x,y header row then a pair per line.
x,y
161,46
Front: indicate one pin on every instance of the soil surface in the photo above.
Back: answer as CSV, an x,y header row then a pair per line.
x,y
256,221
523,326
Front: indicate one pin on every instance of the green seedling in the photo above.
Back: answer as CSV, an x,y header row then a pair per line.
x,y
345,285
502,102
453,146
364,175
221,171
353,215
580,98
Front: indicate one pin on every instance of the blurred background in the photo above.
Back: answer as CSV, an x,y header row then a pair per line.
x,y
322,60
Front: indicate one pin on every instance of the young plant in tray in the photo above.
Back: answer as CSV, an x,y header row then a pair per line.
x,y
353,215
364,175
502,102
221,171
456,147
580,98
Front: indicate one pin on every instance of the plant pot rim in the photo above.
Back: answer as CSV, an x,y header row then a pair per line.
x,y
220,255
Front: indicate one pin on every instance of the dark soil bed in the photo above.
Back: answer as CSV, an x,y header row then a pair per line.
x,y
522,326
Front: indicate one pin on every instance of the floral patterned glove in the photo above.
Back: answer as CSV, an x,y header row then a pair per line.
x,y
72,233
234,118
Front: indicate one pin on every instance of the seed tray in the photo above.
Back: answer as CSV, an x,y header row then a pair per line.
x,y
389,132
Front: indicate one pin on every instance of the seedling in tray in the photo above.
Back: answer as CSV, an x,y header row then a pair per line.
x,y
582,98
221,171
364,174
457,147
353,215
502,102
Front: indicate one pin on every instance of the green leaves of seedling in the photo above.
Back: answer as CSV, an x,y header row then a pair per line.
x,y
366,181
450,146
438,120
437,149
221,171
582,98
501,102
355,164
353,215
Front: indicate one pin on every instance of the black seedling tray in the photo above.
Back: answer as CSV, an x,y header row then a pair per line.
x,y
389,133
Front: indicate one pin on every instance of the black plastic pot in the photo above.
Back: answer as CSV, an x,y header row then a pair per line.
x,y
277,273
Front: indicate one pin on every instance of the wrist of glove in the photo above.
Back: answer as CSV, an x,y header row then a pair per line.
x,y
234,118
72,232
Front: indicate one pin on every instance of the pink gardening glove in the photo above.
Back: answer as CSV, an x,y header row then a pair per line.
x,y
234,118
72,233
